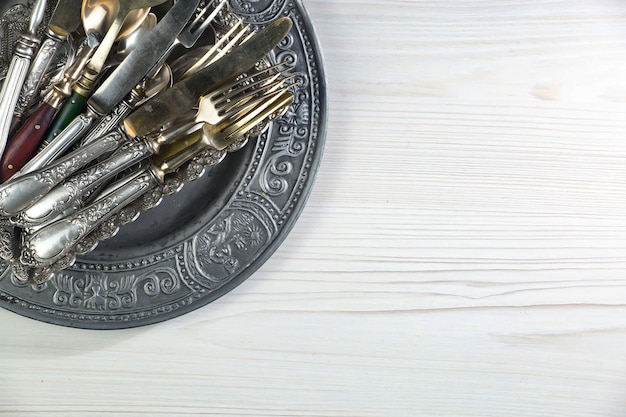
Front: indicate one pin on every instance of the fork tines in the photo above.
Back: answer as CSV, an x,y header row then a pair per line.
x,y
205,15
251,89
237,35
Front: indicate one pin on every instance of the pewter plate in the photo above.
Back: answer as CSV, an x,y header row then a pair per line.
x,y
202,242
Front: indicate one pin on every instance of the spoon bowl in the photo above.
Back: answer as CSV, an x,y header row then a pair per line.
x,y
162,79
128,43
99,15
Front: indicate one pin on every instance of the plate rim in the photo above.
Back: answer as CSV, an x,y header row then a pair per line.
x,y
20,307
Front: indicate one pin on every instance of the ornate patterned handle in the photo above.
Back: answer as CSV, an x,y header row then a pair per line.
x,y
38,69
26,46
22,192
65,196
62,143
9,95
55,240
24,144
108,122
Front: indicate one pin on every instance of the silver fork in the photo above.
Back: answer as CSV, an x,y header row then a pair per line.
x,y
195,28
45,245
224,105
236,36
234,97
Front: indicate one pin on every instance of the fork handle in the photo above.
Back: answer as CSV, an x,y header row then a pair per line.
x,y
23,191
53,241
65,195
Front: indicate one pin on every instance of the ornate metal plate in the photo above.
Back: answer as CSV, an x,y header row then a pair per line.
x,y
202,242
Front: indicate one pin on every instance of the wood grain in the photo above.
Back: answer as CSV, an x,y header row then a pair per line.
x,y
462,253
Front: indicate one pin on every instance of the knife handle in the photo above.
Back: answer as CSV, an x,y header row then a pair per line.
x,y
71,108
38,69
22,191
53,241
24,144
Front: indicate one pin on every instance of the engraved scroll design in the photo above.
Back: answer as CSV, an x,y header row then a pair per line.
x,y
35,88
225,247
98,292
258,11
293,129
14,22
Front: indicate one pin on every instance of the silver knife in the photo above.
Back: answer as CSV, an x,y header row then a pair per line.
x,y
26,46
65,20
21,192
127,75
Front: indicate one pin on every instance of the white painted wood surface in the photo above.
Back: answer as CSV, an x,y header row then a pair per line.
x,y
463,252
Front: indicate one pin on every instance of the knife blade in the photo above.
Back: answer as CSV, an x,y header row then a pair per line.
x,y
22,191
65,20
166,106
125,77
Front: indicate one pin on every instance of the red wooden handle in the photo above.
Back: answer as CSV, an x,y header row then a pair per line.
x,y
23,146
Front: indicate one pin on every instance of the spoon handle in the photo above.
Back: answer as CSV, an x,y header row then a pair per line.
x,y
24,144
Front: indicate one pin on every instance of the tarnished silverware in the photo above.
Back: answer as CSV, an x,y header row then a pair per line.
x,y
54,241
23,191
65,20
27,139
18,71
85,85
195,28
149,87
165,107
232,104
39,128
117,86
187,38
237,35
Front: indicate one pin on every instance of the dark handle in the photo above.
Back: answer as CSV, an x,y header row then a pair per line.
x,y
72,107
23,146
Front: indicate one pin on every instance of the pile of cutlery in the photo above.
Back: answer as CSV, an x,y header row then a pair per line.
x,y
122,119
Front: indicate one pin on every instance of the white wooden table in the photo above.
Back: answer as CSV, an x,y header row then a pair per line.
x,y
463,252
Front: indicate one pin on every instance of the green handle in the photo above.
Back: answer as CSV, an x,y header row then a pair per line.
x,y
72,107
